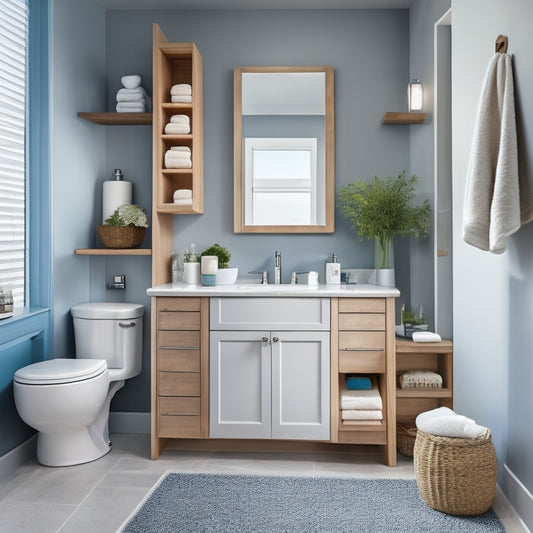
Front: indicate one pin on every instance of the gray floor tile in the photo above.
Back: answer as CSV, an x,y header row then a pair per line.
x,y
20,517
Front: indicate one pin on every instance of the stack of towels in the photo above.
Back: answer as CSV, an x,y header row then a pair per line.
x,y
181,93
178,157
443,422
183,197
178,125
420,379
361,405
132,98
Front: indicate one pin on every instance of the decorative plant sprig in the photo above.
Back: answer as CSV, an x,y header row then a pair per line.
x,y
222,253
128,215
190,257
380,209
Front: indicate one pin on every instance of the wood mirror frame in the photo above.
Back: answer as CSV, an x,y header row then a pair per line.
x,y
329,150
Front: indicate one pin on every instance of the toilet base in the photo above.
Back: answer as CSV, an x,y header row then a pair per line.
x,y
72,448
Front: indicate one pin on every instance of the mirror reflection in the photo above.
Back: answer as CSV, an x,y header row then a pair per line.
x,y
284,149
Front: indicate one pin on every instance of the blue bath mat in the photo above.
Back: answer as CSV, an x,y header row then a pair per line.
x,y
247,503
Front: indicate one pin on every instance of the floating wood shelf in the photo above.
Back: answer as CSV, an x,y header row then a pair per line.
x,y
113,251
173,209
117,119
394,117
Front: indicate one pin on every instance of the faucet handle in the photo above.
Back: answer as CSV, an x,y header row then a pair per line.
x,y
263,274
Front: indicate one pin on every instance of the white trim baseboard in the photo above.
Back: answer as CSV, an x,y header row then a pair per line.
x,y
519,498
129,423
16,457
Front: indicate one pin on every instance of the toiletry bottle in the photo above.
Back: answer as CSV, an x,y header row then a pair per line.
x,y
333,271
176,267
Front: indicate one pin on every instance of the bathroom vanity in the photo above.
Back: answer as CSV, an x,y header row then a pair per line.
x,y
260,366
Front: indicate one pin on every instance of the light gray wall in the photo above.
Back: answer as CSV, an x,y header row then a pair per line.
x,y
493,294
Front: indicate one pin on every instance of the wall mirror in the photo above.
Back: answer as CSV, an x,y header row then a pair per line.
x,y
284,150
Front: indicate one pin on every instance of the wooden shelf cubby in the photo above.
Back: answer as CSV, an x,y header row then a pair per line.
x,y
403,117
117,119
434,356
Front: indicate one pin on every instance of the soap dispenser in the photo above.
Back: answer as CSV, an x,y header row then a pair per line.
x,y
333,271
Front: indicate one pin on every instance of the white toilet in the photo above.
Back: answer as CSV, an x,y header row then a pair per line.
x,y
67,400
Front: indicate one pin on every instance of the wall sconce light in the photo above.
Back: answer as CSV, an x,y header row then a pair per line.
x,y
414,95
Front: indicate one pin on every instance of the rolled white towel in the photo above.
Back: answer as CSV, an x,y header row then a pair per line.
x,y
131,107
183,201
181,149
180,119
131,82
362,414
181,89
182,194
443,422
177,129
181,99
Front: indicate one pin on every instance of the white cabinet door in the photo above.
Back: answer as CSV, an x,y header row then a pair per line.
x,y
300,385
240,390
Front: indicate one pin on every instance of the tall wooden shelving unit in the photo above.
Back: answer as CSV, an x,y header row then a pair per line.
x,y
174,63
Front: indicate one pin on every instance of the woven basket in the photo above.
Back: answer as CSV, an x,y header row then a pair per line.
x,y
405,437
456,476
121,236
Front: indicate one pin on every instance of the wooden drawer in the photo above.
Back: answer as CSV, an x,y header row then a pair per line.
x,y
179,384
178,360
362,321
178,304
179,426
179,339
171,406
178,320
362,340
364,362
361,305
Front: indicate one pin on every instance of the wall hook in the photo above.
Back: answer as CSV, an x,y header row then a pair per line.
x,y
501,44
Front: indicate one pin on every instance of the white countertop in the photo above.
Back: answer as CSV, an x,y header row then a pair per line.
x,y
256,289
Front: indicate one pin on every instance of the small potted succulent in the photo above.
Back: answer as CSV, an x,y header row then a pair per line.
x,y
125,228
225,275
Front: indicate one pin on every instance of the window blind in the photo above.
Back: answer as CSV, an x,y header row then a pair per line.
x,y
13,48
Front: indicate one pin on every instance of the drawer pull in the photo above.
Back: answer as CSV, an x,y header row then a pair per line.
x,y
275,339
179,347
362,349
265,339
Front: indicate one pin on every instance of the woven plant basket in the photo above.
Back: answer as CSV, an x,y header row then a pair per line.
x,y
456,476
121,236
405,437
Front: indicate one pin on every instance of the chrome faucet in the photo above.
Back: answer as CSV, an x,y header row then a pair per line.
x,y
277,268
263,274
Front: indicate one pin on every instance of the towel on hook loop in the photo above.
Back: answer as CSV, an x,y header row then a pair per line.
x,y
492,197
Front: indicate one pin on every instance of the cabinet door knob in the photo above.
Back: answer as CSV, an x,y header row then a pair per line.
x,y
275,339
265,339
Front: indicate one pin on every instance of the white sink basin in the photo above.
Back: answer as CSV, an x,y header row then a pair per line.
x,y
272,287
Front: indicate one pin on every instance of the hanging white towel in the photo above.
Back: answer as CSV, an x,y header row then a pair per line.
x,y
492,198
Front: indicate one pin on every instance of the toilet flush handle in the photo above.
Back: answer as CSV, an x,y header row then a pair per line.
x,y
126,324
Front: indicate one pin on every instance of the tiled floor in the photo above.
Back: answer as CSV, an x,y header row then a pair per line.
x,y
99,496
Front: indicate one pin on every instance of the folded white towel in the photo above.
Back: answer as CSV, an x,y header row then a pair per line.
x,y
443,422
181,99
361,399
177,129
362,414
176,160
132,95
181,89
131,82
131,107
493,196
180,119
181,149
183,201
182,194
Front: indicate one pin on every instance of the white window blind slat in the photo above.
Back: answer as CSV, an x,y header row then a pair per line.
x,y
13,50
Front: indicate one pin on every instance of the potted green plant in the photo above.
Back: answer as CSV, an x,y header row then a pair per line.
x,y
225,275
125,228
381,209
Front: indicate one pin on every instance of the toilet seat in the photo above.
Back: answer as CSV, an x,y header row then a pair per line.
x,y
57,371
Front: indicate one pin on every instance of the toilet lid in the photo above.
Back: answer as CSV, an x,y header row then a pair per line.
x,y
60,371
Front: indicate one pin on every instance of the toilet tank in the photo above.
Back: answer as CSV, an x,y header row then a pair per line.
x,y
110,331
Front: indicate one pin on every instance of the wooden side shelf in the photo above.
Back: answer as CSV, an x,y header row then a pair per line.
x,y
117,119
433,356
394,117
113,251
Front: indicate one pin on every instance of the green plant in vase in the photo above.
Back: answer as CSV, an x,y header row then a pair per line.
x,y
382,209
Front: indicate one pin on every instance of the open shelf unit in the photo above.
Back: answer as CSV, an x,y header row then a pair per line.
x,y
434,356
113,251
395,117
117,119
